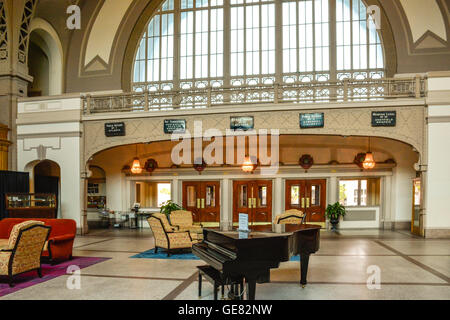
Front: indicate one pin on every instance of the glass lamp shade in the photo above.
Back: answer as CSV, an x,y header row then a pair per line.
x,y
369,162
136,167
248,165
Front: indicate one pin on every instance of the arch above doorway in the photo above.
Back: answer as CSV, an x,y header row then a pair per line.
x,y
44,36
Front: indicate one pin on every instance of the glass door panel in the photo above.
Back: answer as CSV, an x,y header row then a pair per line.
x,y
191,196
261,201
210,200
415,222
295,196
243,200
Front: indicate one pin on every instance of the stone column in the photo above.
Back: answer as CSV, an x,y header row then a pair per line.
x,y
436,222
278,195
226,214
4,145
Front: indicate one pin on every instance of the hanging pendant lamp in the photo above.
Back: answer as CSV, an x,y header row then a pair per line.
x,y
136,167
369,162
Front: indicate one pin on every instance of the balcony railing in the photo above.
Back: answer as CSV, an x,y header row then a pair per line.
x,y
304,92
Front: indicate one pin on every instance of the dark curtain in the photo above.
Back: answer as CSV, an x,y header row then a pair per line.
x,y
12,182
44,184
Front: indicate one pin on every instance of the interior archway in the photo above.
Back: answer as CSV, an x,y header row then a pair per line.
x,y
47,179
46,53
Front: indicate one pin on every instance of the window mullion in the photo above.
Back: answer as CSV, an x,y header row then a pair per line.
x,y
351,37
227,43
279,41
208,67
314,39
176,45
244,72
332,40
260,48
194,39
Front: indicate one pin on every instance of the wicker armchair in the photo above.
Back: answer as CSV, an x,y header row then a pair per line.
x,y
292,216
24,249
183,221
166,236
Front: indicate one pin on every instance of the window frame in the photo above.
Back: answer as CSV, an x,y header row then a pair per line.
x,y
359,179
279,77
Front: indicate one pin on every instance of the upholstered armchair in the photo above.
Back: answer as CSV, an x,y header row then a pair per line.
x,y
23,251
166,236
292,216
183,221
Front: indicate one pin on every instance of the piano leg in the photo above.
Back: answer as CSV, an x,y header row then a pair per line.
x,y
304,261
251,283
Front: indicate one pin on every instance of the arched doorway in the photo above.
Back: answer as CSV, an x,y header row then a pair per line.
x,y
47,179
46,55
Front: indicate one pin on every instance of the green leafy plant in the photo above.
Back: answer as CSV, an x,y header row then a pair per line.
x,y
335,211
169,206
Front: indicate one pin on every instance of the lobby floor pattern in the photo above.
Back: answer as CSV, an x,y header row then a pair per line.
x,y
411,268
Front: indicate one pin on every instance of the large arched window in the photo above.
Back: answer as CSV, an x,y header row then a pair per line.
x,y
195,44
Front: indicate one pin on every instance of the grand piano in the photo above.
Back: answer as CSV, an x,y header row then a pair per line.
x,y
252,255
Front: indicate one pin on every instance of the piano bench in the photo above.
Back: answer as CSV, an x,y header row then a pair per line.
x,y
215,277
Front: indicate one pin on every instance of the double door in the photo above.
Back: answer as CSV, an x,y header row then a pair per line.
x,y
253,198
202,198
308,196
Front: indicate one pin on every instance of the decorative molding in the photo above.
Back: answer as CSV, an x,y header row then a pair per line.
x,y
24,33
4,45
349,122
411,45
430,40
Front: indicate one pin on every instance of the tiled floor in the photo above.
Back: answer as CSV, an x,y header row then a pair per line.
x,y
411,268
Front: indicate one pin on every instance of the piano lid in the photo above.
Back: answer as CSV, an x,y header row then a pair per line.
x,y
266,231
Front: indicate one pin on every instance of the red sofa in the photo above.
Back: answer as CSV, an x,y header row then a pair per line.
x,y
60,240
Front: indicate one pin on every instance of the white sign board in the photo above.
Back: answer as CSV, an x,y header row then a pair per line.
x,y
243,222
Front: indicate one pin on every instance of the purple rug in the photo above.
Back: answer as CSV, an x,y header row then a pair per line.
x,y
48,272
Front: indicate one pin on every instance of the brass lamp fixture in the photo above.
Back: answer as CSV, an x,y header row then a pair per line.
x,y
248,165
136,167
369,162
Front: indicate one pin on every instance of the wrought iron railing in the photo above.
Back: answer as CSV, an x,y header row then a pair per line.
x,y
303,92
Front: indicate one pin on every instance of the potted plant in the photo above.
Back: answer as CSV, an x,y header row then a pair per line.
x,y
169,206
334,213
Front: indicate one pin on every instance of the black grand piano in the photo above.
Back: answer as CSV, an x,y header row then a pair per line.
x,y
252,255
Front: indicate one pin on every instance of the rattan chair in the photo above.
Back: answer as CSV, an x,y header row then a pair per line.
x,y
24,249
292,216
166,236
183,221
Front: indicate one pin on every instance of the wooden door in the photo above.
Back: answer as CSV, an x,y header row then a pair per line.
x,y
262,201
315,194
191,199
210,201
202,199
253,198
242,199
308,196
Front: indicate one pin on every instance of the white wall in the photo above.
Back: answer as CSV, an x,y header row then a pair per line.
x,y
438,182
39,139
437,193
